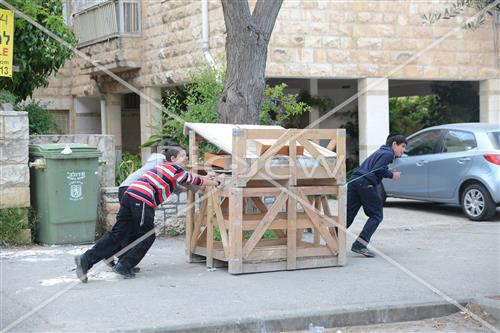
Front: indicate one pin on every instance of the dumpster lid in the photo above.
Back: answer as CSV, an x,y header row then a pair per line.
x,y
54,150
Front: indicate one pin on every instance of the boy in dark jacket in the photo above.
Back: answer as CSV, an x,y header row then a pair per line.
x,y
363,190
136,214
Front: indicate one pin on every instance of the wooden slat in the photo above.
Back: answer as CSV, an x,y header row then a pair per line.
x,y
251,221
332,144
210,232
341,220
262,227
317,206
317,155
291,252
340,170
292,162
239,163
263,209
265,133
330,242
261,161
197,225
236,231
221,224
190,214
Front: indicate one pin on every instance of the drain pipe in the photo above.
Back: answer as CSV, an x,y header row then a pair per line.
x,y
204,34
104,113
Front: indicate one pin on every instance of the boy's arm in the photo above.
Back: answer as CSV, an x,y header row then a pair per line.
x,y
383,164
186,178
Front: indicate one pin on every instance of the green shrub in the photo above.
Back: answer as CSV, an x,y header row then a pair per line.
x,y
268,234
12,222
41,121
7,97
129,164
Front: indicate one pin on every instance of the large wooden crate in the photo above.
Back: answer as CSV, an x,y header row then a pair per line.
x,y
300,195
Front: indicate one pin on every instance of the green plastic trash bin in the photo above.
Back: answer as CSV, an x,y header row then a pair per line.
x,y
64,192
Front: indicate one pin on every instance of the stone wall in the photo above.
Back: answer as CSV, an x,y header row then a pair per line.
x,y
14,170
104,143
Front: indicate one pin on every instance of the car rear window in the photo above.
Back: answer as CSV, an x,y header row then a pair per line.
x,y
495,139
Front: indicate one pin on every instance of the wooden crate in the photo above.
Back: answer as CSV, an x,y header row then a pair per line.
x,y
300,203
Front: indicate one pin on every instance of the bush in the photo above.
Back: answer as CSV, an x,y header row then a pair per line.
x,y
41,121
129,164
7,97
12,222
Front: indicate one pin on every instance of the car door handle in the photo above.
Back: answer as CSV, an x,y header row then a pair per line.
x,y
463,160
422,162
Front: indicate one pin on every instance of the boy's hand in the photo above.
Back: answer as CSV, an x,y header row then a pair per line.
x,y
211,175
396,175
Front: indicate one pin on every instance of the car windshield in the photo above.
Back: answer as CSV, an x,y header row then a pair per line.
x,y
495,139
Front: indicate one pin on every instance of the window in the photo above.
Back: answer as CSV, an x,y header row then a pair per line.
x,y
456,141
495,139
423,144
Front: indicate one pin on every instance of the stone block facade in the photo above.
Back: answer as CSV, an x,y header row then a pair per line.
x,y
319,39
14,170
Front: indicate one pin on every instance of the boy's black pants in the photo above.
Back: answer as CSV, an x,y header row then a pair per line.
x,y
126,230
363,193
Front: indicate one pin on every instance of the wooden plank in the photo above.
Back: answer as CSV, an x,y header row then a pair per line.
x,y
317,206
340,170
262,145
292,162
236,231
313,215
221,161
261,161
197,225
239,164
317,190
281,265
262,227
341,220
251,221
263,209
291,231
190,220
210,233
221,224
332,144
317,155
264,134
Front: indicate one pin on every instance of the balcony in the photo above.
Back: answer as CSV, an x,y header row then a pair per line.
x,y
108,33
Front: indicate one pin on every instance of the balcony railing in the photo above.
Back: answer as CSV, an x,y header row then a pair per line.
x,y
107,20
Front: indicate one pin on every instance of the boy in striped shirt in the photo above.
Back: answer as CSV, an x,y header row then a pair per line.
x,y
136,214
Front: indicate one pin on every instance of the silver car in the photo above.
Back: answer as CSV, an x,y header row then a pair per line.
x,y
454,164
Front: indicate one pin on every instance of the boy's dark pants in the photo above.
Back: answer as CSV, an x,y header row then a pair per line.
x,y
362,193
126,229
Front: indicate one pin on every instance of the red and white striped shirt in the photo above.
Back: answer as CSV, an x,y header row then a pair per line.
x,y
156,185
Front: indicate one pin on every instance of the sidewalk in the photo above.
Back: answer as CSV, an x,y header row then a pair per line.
x,y
455,255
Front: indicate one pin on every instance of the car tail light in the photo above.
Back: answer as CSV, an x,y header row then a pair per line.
x,y
493,158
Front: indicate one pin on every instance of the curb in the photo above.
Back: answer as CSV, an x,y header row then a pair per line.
x,y
365,315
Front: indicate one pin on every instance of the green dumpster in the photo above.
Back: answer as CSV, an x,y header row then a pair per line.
x,y
64,192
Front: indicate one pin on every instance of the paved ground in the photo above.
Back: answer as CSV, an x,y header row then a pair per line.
x,y
454,255
456,323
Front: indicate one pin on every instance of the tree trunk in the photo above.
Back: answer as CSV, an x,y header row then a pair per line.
x,y
246,50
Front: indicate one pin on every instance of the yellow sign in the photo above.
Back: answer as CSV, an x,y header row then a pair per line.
x,y
6,42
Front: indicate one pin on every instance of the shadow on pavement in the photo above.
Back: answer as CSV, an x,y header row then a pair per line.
x,y
433,207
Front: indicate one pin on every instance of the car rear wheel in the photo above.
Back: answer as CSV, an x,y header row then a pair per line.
x,y
477,204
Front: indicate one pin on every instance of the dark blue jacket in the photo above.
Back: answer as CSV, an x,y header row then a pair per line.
x,y
379,161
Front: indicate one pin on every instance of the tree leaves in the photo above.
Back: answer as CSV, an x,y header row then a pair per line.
x,y
37,55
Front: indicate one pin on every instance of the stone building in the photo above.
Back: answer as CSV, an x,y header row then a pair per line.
x,y
338,49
